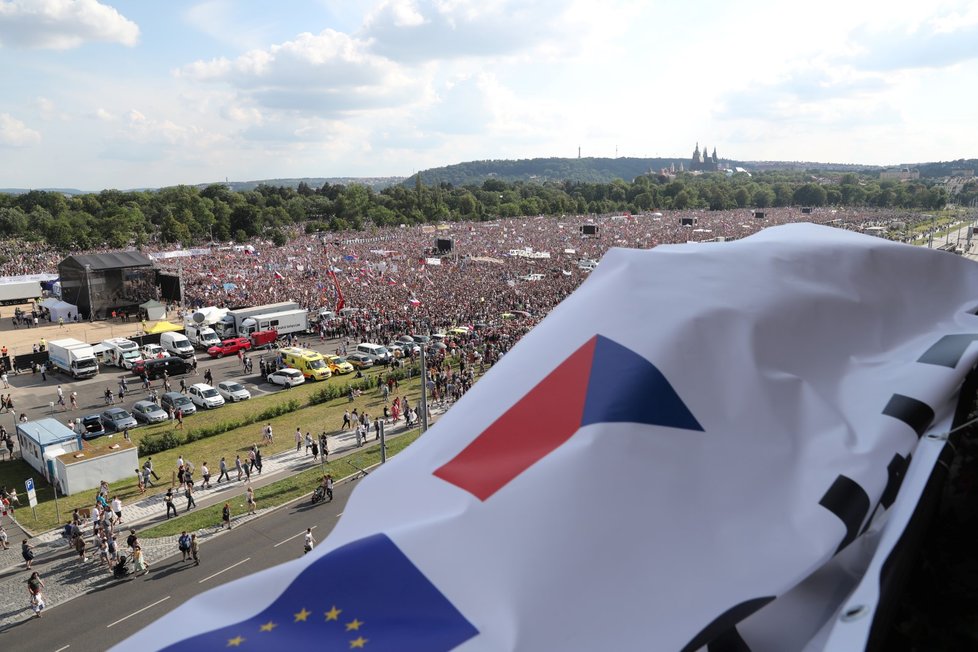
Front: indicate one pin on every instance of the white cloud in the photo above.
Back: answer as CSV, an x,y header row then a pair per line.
x,y
14,133
328,73
62,24
422,30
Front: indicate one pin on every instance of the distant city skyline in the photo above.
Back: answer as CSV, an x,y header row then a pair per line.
x,y
125,94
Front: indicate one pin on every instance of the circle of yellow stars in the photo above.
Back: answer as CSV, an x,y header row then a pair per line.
x,y
302,616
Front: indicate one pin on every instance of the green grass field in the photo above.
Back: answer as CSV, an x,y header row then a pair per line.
x,y
313,418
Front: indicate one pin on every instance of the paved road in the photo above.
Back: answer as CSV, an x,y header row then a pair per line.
x,y
118,608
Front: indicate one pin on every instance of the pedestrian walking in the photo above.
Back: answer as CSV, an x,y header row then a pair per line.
x,y
298,440
224,471
308,442
194,549
346,420
80,548
308,542
226,515
117,508
44,371
251,501
179,418
237,466
139,560
4,542
74,400
258,460
149,465
27,552
206,475
329,487
266,435
251,458
188,493
35,588
170,507
3,377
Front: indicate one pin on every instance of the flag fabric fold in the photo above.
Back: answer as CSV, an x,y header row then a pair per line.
x,y
704,446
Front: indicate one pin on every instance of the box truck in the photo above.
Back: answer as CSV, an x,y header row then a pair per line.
x,y
230,324
73,357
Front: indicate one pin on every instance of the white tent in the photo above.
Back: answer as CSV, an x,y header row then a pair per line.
x,y
61,309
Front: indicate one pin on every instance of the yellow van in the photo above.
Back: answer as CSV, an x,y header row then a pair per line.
x,y
312,364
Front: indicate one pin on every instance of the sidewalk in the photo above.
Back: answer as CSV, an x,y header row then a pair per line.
x,y
65,577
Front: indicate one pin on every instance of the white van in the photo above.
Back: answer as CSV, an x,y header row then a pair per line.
x,y
177,344
382,354
121,352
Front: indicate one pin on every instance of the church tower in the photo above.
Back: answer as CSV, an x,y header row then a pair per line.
x,y
696,154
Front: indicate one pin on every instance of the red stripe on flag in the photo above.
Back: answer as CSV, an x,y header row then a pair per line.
x,y
541,421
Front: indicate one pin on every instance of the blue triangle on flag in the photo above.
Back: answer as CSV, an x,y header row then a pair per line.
x,y
624,387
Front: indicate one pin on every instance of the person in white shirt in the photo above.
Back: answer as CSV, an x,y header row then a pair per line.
x,y
117,508
309,541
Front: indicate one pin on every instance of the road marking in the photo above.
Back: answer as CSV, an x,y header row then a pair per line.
x,y
63,648
134,613
292,537
339,515
225,570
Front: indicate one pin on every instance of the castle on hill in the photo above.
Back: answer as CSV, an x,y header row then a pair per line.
x,y
703,162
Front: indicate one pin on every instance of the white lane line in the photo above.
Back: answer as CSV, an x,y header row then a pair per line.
x,y
292,537
134,613
225,570
63,648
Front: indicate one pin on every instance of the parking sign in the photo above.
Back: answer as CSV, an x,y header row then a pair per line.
x,y
31,496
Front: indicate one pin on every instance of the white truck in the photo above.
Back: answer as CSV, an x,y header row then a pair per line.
x,y
121,352
73,357
18,289
201,335
285,322
230,324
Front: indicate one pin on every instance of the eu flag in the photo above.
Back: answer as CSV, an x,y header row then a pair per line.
x,y
365,595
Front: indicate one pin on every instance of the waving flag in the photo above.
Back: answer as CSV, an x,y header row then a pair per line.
x,y
703,447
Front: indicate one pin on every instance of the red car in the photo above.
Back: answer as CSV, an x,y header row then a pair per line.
x,y
229,347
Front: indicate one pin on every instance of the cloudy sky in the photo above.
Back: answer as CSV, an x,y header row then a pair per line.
x,y
128,93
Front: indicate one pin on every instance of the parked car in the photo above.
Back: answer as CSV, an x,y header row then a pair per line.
x,y
117,420
149,412
232,391
177,401
205,396
172,365
91,426
286,377
151,351
229,346
361,360
338,364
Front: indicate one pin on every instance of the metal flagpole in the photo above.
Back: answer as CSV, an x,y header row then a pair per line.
x,y
424,392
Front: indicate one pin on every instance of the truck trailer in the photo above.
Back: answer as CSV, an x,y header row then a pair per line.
x,y
230,324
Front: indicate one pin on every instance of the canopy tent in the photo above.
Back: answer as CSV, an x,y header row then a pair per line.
x,y
61,310
153,309
163,327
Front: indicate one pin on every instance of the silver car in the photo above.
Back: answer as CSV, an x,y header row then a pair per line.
x,y
149,412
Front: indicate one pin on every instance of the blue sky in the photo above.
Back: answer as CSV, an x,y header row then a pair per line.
x,y
122,94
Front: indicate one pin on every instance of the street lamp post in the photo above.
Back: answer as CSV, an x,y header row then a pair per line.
x,y
88,287
424,393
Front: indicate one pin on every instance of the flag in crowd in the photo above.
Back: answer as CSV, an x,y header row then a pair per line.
x,y
702,446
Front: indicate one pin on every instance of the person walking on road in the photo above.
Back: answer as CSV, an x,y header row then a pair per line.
x,y
194,549
168,499
206,475
226,515
258,459
27,552
117,508
298,440
308,542
224,471
237,466
35,587
188,493
139,560
149,465
329,487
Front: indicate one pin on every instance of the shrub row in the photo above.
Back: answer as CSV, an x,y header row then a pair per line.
x,y
331,391
152,444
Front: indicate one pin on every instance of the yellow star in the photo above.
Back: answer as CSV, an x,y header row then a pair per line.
x,y
334,613
302,615
358,642
269,626
353,624
236,641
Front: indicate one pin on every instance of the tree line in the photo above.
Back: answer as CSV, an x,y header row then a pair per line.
x,y
189,215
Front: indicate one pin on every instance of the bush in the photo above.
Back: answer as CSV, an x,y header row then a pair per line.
x,y
157,443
